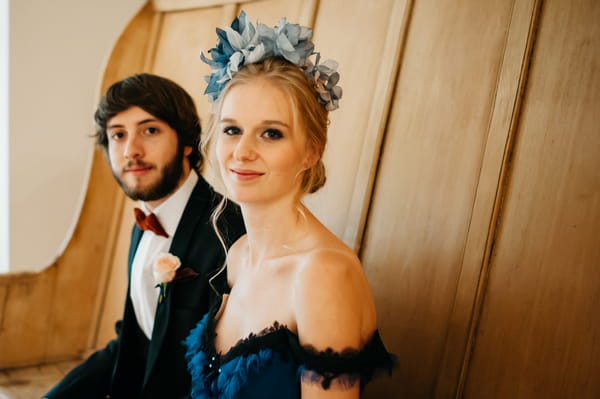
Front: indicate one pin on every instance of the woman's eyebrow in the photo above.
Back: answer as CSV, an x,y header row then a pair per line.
x,y
265,122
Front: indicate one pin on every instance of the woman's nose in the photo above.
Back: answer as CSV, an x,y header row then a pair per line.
x,y
245,148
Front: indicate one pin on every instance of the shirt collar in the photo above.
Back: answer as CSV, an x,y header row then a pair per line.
x,y
169,212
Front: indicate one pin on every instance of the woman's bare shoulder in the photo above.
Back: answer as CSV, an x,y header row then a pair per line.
x,y
332,301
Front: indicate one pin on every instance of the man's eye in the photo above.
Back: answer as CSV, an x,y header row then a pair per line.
x,y
117,136
272,134
152,130
231,130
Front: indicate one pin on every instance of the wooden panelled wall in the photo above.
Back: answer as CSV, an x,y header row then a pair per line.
x,y
463,166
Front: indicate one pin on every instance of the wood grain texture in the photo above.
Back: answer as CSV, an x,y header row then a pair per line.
x,y
502,130
358,39
187,5
26,304
377,117
539,334
427,182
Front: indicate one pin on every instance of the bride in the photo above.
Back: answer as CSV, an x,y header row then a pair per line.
x,y
299,319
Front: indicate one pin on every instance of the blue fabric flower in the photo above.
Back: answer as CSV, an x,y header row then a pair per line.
x,y
242,44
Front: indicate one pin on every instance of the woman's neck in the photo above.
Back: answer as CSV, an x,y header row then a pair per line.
x,y
274,230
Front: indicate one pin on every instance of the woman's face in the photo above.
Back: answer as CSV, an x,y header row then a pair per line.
x,y
261,151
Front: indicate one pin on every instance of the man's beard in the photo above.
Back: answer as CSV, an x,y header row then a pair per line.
x,y
170,175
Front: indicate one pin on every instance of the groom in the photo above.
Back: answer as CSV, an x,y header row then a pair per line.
x,y
150,131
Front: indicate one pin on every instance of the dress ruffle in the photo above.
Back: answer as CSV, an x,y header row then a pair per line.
x,y
274,349
343,369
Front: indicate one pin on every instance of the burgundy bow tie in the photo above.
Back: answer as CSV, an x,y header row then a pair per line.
x,y
149,222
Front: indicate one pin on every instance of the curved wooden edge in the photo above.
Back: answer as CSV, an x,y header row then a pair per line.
x,y
45,316
179,5
50,315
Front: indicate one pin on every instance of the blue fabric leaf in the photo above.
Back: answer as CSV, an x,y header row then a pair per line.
x,y
242,44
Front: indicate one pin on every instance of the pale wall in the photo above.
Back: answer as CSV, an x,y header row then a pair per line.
x,y
58,50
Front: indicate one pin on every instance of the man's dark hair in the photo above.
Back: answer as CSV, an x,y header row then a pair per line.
x,y
160,97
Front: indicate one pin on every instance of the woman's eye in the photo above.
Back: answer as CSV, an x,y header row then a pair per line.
x,y
231,130
272,134
152,130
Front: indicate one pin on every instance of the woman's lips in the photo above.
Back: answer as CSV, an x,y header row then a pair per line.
x,y
246,174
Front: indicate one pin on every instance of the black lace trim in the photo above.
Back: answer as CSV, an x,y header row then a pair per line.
x,y
343,369
347,366
274,337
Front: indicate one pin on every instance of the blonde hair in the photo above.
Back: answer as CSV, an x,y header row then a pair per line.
x,y
307,111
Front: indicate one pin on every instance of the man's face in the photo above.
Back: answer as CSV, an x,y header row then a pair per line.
x,y
144,155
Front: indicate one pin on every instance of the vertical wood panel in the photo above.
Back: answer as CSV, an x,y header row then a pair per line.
x,y
376,120
539,334
473,271
269,12
355,34
427,181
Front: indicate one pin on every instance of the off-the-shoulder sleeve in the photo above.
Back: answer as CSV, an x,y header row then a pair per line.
x,y
343,369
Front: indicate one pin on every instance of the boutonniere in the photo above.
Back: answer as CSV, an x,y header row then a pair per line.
x,y
167,270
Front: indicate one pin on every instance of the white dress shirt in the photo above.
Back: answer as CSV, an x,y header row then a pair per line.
x,y
143,292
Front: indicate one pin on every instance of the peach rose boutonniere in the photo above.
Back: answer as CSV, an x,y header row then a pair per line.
x,y
167,269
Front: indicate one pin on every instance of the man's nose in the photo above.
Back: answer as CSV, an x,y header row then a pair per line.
x,y
133,148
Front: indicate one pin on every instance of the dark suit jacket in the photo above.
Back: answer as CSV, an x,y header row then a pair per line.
x,y
130,366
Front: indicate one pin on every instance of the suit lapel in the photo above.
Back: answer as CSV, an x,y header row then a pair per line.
x,y
197,207
136,236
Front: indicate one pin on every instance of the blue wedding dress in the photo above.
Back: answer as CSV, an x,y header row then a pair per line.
x,y
272,363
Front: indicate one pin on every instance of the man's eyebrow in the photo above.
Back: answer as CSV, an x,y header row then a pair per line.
x,y
117,125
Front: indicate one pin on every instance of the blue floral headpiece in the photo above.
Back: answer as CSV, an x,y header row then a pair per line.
x,y
243,44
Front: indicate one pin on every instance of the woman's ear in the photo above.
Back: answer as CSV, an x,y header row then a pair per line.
x,y
311,158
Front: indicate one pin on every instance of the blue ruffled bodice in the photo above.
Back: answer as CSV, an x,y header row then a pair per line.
x,y
272,363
